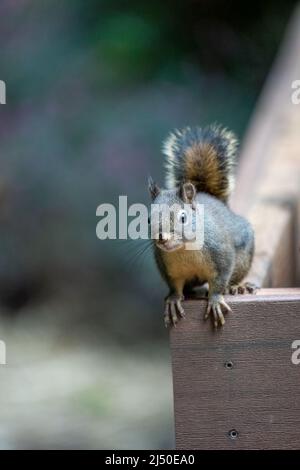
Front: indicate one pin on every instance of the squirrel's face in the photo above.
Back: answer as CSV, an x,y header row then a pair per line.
x,y
173,217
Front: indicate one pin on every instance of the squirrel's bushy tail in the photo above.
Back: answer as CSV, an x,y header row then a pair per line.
x,y
205,157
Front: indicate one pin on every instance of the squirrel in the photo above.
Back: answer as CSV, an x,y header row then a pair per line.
x,y
200,166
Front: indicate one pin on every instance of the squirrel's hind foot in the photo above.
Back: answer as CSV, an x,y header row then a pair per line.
x,y
216,306
246,288
173,310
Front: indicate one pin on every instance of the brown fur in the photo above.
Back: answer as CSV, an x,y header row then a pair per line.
x,y
201,159
200,164
186,265
205,157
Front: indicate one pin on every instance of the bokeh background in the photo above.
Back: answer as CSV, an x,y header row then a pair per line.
x,y
93,87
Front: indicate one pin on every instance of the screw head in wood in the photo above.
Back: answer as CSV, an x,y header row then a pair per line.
x,y
233,434
228,365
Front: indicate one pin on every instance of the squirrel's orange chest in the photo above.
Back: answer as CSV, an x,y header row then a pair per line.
x,y
187,265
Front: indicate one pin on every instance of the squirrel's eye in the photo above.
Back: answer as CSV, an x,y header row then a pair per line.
x,y
182,217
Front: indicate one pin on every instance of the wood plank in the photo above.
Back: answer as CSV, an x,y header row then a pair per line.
x,y
268,180
274,261
258,396
273,123
278,292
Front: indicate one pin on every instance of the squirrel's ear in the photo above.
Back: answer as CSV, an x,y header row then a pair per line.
x,y
154,190
188,192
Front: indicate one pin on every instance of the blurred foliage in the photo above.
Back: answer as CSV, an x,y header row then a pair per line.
x,y
93,88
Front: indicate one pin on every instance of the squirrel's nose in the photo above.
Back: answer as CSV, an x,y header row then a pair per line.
x,y
163,237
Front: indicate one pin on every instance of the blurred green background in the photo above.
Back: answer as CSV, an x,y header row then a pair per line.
x,y
93,87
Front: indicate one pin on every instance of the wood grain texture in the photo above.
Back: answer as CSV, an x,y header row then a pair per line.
x,y
259,396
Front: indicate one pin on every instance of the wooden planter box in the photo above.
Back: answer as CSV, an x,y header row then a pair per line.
x,y
237,387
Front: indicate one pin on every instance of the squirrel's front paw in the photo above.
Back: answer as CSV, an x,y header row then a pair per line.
x,y
216,304
173,308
